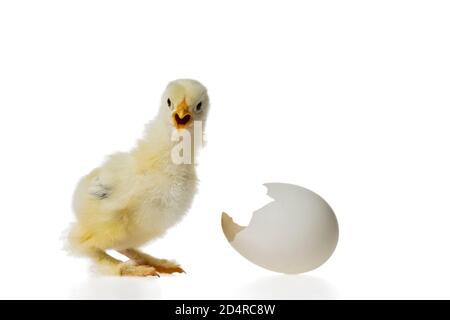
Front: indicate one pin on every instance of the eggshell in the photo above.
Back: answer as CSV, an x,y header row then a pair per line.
x,y
296,233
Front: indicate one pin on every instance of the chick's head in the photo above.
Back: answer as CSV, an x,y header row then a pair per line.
x,y
184,101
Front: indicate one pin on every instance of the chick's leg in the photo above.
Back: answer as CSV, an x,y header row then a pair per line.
x,y
109,265
143,259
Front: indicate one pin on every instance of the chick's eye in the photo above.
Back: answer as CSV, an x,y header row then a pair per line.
x,y
198,107
169,103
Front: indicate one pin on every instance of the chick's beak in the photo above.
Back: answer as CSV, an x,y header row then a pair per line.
x,y
182,118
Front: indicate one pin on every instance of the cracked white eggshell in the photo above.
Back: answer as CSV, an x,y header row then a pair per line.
x,y
296,233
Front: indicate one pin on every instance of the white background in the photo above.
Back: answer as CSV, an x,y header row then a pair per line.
x,y
348,98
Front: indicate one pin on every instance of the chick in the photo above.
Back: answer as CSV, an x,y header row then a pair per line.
x,y
135,197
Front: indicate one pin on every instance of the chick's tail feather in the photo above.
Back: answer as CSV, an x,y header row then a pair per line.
x,y
76,241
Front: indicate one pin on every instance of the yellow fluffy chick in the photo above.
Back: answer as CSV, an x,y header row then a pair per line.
x,y
135,197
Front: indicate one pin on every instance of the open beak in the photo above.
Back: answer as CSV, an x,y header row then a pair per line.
x,y
182,118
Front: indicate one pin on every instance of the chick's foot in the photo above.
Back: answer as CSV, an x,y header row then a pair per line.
x,y
161,265
166,266
127,269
